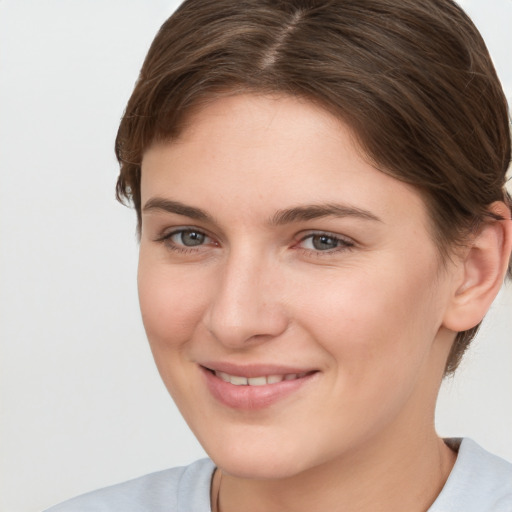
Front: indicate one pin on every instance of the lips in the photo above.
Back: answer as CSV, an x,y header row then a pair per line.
x,y
263,380
253,387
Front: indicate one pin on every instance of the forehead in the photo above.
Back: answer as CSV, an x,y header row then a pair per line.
x,y
272,151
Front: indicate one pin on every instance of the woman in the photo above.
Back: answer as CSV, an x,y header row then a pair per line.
x,y
320,191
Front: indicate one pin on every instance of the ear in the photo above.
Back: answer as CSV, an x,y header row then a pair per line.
x,y
483,269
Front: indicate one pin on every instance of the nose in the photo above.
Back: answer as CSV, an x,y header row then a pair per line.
x,y
246,307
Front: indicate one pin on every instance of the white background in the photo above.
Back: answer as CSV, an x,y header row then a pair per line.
x,y
81,403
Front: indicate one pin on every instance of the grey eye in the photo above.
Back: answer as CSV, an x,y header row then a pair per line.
x,y
324,242
189,238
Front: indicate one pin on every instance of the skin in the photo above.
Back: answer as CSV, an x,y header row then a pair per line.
x,y
370,315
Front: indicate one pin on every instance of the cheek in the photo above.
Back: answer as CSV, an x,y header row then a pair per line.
x,y
378,335
375,322
171,303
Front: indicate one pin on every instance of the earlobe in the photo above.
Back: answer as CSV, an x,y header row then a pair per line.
x,y
484,267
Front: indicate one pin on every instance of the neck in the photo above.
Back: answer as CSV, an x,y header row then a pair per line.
x,y
381,479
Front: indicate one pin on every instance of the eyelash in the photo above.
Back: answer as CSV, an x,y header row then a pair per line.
x,y
166,239
344,244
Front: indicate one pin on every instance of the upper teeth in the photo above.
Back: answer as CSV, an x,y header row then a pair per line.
x,y
258,381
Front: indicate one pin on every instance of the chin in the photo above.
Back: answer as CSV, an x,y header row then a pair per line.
x,y
264,467
260,457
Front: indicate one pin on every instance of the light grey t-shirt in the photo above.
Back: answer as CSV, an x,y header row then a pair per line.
x,y
479,482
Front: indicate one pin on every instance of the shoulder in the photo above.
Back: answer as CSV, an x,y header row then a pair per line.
x,y
182,488
479,482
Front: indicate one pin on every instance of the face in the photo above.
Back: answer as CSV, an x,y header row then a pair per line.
x,y
291,293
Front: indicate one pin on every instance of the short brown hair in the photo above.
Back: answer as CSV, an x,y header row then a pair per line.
x,y
414,81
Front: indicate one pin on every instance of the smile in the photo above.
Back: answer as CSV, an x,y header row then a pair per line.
x,y
258,387
263,380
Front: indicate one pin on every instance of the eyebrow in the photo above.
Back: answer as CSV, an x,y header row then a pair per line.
x,y
166,205
281,217
310,212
